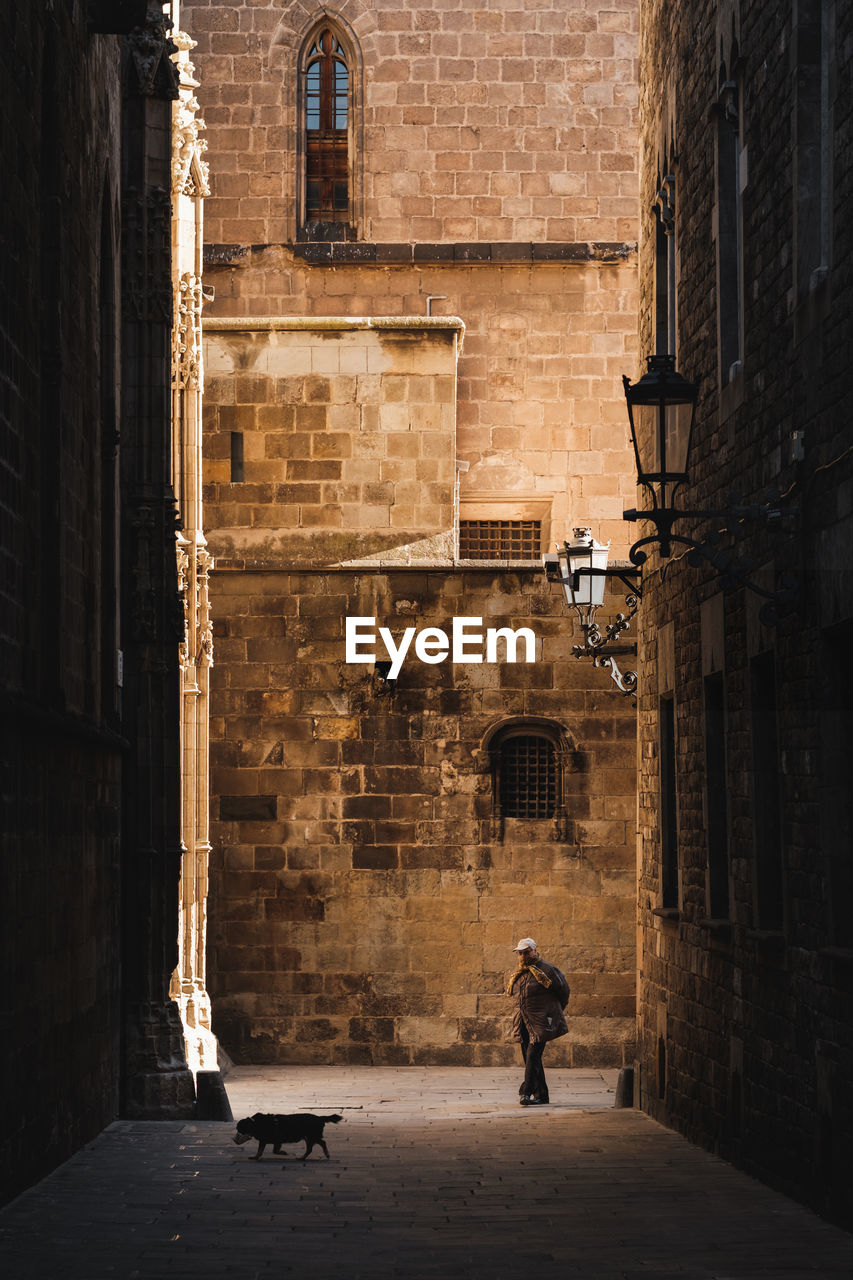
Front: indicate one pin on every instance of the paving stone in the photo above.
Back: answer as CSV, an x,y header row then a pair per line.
x,y
446,1177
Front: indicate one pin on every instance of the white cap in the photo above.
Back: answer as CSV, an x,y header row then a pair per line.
x,y
525,944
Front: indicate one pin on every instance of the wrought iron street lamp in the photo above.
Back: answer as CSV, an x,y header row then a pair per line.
x,y
661,410
580,566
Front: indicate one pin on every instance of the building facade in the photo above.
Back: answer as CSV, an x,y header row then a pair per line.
x,y
421,237
189,186
92,616
744,790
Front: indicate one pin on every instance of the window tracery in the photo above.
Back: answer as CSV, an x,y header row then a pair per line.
x,y
327,85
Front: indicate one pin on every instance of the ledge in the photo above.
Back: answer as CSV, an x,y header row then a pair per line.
x,y
342,324
720,928
842,954
667,913
319,253
767,937
226,565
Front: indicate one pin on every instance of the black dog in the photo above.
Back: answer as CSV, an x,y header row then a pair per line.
x,y
281,1130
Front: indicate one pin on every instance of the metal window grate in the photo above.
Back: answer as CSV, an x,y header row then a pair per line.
x,y
528,778
500,539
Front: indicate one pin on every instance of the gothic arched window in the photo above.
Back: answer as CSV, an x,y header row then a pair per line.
x,y
327,109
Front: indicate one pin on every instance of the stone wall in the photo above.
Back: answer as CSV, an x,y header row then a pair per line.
x,y
492,184
62,775
512,122
366,893
746,1020
546,344
364,909
88,640
346,433
498,153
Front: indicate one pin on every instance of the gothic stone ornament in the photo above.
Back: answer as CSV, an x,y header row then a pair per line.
x,y
153,74
186,366
190,174
204,639
183,590
146,246
143,608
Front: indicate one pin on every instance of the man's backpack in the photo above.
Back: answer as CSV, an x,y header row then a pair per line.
x,y
562,990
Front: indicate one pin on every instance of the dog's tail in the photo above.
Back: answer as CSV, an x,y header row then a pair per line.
x,y
332,1119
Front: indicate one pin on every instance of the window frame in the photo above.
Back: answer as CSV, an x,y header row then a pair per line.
x,y
670,862
557,738
665,311
352,228
770,897
465,554
545,793
729,163
506,506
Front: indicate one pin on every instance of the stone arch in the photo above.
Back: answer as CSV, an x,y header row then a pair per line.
x,y
285,58
344,33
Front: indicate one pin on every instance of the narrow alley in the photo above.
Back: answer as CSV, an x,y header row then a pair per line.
x,y
433,1172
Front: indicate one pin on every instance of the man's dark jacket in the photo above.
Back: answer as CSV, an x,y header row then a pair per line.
x,y
541,994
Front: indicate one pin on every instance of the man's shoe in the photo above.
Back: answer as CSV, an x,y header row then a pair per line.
x,y
525,1101
536,1101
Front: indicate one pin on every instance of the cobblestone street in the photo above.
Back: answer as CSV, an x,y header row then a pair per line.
x,y
433,1172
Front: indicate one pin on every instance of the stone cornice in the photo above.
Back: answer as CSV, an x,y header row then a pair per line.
x,y
320,253
314,324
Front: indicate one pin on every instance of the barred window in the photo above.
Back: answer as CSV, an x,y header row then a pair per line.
x,y
528,777
500,539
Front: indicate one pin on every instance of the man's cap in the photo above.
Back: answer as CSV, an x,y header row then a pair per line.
x,y
525,944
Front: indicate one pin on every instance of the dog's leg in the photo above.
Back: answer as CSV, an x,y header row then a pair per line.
x,y
261,1148
309,1147
325,1148
277,1149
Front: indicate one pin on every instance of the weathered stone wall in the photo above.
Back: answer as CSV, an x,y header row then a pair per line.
x,y
493,174
89,645
539,371
347,435
746,1042
499,158
362,911
512,122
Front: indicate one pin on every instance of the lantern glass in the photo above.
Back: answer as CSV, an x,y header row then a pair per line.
x,y
584,589
661,408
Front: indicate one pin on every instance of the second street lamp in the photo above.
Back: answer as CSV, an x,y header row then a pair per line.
x,y
661,409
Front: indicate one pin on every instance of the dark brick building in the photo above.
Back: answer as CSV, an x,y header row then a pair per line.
x,y
90,613
746,889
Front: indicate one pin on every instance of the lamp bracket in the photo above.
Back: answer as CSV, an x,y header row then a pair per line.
x,y
600,645
603,647
731,571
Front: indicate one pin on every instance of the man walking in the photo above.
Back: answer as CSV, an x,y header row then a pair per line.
x,y
541,993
